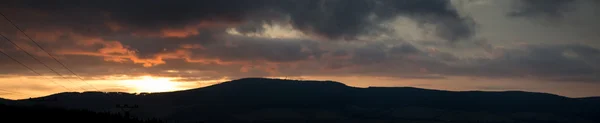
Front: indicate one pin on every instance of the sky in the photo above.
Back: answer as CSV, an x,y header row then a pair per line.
x,y
549,46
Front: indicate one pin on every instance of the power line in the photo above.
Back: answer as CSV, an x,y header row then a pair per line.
x,y
14,92
39,46
30,69
38,60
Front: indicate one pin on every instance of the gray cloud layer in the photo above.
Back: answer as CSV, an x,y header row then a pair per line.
x,y
98,38
334,19
547,8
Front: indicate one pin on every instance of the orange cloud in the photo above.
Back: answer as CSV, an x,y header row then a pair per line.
x,y
113,26
192,46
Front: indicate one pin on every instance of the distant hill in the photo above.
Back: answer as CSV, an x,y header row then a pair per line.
x,y
275,100
3,101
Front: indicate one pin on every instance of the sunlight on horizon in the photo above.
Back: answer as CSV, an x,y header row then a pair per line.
x,y
151,84
26,87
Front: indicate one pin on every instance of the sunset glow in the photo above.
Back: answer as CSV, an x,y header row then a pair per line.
x,y
151,84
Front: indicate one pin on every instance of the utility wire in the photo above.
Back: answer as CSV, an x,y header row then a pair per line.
x,y
30,69
52,56
14,92
38,60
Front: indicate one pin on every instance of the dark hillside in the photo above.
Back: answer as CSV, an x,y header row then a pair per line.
x,y
275,100
40,114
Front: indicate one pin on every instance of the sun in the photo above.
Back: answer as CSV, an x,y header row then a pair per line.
x,y
151,84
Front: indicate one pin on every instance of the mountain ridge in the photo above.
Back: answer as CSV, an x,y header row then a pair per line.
x,y
245,80
248,97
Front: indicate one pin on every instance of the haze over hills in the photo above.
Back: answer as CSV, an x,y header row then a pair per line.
x,y
275,100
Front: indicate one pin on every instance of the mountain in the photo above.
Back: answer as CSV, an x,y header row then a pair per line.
x,y
4,101
274,100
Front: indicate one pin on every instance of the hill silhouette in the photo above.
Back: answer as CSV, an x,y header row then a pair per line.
x,y
275,100
4,100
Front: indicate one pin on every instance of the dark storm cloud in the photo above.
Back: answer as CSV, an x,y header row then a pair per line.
x,y
376,59
85,66
334,19
450,25
543,8
339,53
148,47
10,67
211,49
148,13
259,49
160,29
347,18
566,63
404,49
370,54
556,60
546,62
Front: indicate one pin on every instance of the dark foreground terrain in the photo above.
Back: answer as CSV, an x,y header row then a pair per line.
x,y
41,114
256,100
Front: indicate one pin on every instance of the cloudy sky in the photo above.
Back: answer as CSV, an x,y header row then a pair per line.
x,y
548,46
